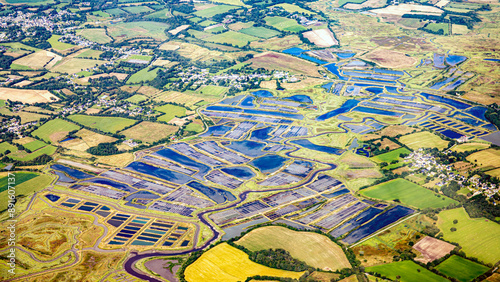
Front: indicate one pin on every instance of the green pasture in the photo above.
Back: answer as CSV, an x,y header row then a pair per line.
x,y
116,12
391,156
96,35
210,12
261,32
285,24
143,75
343,2
34,145
136,99
53,128
90,54
461,269
212,90
170,112
126,30
407,271
4,146
232,37
137,9
437,26
19,177
407,193
161,14
23,156
54,42
106,124
206,23
478,237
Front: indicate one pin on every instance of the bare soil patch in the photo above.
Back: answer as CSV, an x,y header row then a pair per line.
x,y
390,59
432,249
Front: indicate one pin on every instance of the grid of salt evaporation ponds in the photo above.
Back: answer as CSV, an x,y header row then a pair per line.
x,y
246,117
323,183
405,106
241,130
294,207
299,169
86,206
328,208
172,208
243,211
215,149
137,232
184,195
366,127
219,178
442,122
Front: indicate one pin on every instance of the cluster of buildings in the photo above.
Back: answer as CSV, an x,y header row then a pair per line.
x,y
50,21
425,163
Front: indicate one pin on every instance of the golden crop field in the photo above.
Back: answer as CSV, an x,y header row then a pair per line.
x,y
226,263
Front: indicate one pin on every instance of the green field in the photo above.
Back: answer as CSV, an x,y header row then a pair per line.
x,y
115,12
210,12
438,26
133,29
226,263
54,130
161,14
206,23
198,34
407,193
100,14
170,112
106,124
478,237
194,128
53,40
143,75
423,139
4,146
261,32
96,35
391,156
407,270
285,24
90,54
34,145
136,99
137,9
216,29
314,249
19,177
19,46
461,269
23,156
27,187
212,90
231,37
140,57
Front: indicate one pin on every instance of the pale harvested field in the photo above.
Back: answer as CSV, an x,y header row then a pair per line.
x,y
148,90
183,98
277,61
489,158
27,95
170,46
23,83
402,9
432,249
321,37
361,173
75,144
390,59
119,76
149,131
269,84
178,29
394,130
37,60
366,4
93,139
164,63
442,3
388,143
314,249
119,160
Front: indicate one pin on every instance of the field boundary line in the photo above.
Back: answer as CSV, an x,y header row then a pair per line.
x,y
388,227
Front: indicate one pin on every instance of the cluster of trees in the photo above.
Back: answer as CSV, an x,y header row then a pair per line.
x,y
278,258
493,116
103,149
5,61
